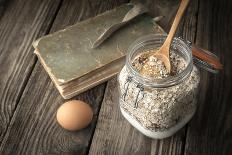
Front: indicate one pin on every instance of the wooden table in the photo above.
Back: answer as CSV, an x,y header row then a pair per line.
x,y
29,100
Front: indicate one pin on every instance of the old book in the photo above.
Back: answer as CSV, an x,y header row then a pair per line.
x,y
74,66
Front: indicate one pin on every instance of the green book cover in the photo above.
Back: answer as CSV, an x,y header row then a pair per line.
x,y
67,54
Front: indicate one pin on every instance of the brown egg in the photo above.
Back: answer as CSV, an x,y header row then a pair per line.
x,y
74,115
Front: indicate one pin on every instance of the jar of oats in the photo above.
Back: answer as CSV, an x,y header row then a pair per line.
x,y
154,101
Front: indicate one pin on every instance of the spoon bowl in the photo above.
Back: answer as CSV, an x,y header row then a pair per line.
x,y
164,59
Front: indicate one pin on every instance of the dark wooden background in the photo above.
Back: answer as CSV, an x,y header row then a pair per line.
x,y
29,100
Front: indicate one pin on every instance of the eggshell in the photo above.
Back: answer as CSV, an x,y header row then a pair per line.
x,y
74,115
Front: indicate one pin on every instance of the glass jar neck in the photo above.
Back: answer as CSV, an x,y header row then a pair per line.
x,y
155,41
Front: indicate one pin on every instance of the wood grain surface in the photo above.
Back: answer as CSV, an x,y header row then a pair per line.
x,y
210,131
20,24
114,135
33,129
29,100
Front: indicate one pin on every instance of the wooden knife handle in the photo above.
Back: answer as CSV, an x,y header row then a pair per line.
x,y
204,55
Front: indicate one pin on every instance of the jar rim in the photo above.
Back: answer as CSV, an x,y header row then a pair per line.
x,y
164,82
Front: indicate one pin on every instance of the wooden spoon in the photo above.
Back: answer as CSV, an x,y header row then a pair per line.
x,y
163,52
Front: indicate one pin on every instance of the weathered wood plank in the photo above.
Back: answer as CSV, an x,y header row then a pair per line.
x,y
114,135
21,22
33,129
210,132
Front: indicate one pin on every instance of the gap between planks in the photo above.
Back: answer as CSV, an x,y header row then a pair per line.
x,y
31,70
17,36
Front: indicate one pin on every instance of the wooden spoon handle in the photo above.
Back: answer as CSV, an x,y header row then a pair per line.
x,y
205,56
179,14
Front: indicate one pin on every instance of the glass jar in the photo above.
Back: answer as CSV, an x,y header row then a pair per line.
x,y
158,107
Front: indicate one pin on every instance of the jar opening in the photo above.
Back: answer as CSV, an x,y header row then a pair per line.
x,y
154,41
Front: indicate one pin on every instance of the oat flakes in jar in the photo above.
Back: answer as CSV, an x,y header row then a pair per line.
x,y
154,101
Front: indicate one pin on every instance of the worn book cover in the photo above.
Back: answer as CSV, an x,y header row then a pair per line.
x,y
74,66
